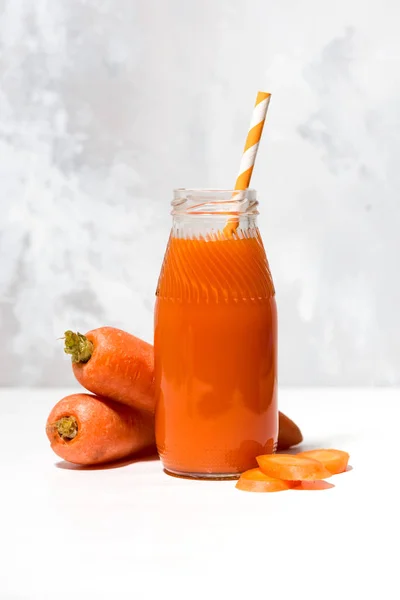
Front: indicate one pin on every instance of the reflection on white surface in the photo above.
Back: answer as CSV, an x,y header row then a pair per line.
x,y
106,106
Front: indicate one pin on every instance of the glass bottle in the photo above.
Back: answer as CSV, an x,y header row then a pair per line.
x,y
215,338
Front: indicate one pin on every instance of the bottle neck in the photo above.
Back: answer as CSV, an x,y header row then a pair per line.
x,y
206,212
210,226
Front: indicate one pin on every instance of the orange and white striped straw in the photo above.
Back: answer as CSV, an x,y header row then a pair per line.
x,y
252,141
250,150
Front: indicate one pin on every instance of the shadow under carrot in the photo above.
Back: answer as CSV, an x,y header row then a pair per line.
x,y
145,455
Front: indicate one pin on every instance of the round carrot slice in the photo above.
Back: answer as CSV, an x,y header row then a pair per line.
x,y
320,484
334,460
292,467
255,480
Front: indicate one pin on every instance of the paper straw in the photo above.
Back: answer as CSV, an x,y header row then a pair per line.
x,y
250,150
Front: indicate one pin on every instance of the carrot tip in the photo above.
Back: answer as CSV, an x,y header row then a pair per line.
x,y
78,346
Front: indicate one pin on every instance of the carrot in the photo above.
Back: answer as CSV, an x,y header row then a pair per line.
x,y
255,480
89,430
313,485
289,433
334,460
115,364
292,467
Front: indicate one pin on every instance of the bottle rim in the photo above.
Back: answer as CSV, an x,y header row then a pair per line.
x,y
214,201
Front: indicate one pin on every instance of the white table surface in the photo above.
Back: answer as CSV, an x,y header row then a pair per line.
x,y
134,532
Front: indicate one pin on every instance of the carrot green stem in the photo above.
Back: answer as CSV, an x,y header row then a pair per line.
x,y
67,428
78,346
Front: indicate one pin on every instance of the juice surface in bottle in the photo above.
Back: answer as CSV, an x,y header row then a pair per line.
x,y
215,344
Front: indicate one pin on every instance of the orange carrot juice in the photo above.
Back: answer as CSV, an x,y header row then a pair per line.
x,y
215,356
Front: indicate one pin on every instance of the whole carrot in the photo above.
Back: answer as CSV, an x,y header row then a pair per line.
x,y
113,363
89,430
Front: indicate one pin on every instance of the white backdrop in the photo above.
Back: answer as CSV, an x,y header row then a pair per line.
x,y
106,105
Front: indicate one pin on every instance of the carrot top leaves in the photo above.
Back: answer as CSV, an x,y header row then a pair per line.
x,y
78,346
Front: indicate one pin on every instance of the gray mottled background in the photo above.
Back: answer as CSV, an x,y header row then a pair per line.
x,y
106,105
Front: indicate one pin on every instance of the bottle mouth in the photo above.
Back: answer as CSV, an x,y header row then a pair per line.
x,y
214,202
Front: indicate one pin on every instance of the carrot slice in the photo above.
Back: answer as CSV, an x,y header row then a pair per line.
x,y
333,460
320,484
255,480
292,467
